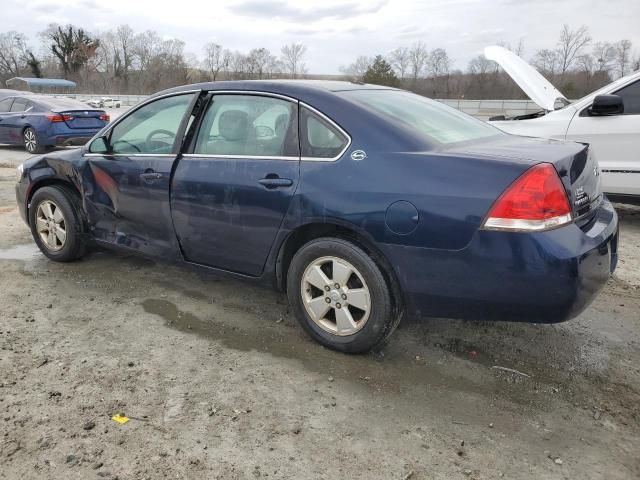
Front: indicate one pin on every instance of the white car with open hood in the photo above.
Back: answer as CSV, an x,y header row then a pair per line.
x,y
608,119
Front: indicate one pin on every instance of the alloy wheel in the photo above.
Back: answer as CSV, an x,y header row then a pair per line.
x,y
335,296
51,225
30,140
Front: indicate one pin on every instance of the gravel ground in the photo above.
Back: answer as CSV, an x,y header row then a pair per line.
x,y
220,382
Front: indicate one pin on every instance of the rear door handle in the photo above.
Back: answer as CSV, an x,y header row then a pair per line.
x,y
275,182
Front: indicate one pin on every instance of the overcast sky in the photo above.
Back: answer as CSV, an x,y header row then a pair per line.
x,y
336,32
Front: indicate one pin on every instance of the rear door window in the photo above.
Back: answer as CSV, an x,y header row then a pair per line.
x,y
320,139
248,126
19,105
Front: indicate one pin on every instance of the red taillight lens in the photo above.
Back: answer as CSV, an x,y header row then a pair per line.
x,y
104,117
59,118
535,201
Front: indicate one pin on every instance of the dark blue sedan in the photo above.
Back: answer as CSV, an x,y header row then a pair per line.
x,y
363,203
38,122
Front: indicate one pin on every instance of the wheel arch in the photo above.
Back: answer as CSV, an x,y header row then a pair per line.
x,y
313,230
50,182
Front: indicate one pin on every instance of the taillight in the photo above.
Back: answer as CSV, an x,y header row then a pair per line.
x,y
59,118
104,117
536,201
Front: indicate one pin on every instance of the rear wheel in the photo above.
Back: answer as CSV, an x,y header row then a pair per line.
x,y
31,143
56,223
340,296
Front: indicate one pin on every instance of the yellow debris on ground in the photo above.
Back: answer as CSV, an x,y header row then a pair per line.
x,y
120,418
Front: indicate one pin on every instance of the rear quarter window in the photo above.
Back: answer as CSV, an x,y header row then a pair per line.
x,y
319,138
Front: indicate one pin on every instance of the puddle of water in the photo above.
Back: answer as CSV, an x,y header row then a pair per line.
x,y
178,319
377,370
191,293
25,252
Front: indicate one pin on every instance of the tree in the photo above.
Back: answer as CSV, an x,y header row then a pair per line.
x,y
570,46
12,51
125,38
399,60
481,68
604,54
417,58
380,73
546,61
623,56
213,60
72,46
481,65
260,63
438,63
358,68
34,64
292,56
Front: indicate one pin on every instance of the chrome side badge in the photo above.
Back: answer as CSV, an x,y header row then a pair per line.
x,y
358,155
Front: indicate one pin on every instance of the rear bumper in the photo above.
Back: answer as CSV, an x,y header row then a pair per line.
x,y
70,139
543,277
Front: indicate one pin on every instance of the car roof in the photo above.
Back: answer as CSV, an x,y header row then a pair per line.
x,y
281,86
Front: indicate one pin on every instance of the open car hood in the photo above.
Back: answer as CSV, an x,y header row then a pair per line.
x,y
528,79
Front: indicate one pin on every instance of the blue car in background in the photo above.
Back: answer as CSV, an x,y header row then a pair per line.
x,y
362,203
38,122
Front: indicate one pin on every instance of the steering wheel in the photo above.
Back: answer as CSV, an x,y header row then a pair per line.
x,y
126,143
157,132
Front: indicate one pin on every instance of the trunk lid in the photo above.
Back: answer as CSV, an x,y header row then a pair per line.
x,y
82,119
577,168
528,78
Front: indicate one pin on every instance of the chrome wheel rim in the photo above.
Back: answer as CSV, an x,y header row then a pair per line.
x,y
51,225
30,140
335,296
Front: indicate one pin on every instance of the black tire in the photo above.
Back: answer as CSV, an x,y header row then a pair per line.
x,y
31,142
75,244
383,315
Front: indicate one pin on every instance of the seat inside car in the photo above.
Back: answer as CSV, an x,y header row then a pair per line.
x,y
233,127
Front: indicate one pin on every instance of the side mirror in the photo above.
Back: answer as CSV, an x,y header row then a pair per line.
x,y
99,145
607,105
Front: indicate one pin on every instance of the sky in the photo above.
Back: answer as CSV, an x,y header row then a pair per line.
x,y
336,32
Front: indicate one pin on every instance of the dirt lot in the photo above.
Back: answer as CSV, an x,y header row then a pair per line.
x,y
220,382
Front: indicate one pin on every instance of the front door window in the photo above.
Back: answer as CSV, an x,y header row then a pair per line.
x,y
151,129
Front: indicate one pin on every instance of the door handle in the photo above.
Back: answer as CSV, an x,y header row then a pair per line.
x,y
150,176
275,182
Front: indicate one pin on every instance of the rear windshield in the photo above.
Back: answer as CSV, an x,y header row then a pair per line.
x,y
432,120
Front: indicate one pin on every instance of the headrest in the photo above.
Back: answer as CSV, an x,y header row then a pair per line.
x,y
234,125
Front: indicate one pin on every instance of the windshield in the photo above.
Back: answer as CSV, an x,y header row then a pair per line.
x,y
431,120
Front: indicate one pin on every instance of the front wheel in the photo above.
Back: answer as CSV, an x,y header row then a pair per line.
x,y
31,143
340,296
56,223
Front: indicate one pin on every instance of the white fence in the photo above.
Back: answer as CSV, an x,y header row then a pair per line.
x,y
482,109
